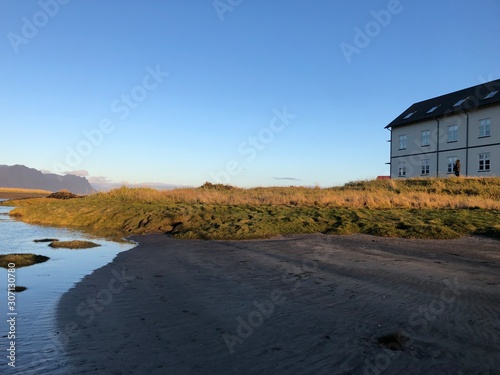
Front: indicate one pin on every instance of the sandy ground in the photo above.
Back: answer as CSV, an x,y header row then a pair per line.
x,y
312,304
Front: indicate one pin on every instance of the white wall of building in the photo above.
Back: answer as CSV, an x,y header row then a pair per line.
x,y
494,153
465,147
493,113
413,135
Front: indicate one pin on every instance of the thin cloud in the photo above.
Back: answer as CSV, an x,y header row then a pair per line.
x,y
287,178
105,184
79,173
99,180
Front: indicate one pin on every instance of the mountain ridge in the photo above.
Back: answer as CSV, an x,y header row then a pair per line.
x,y
23,177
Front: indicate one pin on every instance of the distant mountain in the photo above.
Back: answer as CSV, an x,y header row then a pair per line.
x,y
107,186
20,176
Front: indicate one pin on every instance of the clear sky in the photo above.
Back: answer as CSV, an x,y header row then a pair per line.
x,y
251,93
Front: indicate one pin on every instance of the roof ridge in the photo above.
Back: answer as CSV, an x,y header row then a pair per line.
x,y
458,101
462,90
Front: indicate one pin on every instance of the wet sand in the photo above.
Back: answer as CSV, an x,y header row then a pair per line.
x,y
312,304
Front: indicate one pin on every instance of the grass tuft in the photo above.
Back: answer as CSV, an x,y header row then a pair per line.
x,y
21,260
76,244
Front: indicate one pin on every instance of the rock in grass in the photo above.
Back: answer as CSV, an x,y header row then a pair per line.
x,y
63,194
21,260
77,244
46,240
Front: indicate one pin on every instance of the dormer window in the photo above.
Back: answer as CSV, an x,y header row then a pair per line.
x,y
491,95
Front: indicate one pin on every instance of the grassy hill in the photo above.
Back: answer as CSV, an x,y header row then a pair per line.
x,y
416,208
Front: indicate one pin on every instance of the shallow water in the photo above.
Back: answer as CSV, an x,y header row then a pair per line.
x,y
35,332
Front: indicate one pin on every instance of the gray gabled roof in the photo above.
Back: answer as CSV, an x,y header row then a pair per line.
x,y
459,101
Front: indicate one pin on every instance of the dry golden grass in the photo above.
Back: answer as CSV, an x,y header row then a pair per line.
x,y
29,191
416,193
22,193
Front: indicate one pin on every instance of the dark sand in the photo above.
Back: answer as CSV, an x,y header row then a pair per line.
x,y
311,304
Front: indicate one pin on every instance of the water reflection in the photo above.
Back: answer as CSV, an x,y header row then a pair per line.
x,y
46,282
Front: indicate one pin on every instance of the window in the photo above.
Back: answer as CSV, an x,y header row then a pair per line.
x,y
409,115
426,138
433,109
491,95
451,163
402,142
452,133
484,127
484,162
402,169
460,102
425,167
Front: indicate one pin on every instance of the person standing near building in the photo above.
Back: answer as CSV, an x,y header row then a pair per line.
x,y
456,168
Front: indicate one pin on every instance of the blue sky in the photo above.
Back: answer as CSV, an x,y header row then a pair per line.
x,y
251,93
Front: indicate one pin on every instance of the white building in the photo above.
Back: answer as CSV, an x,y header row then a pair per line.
x,y
430,136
